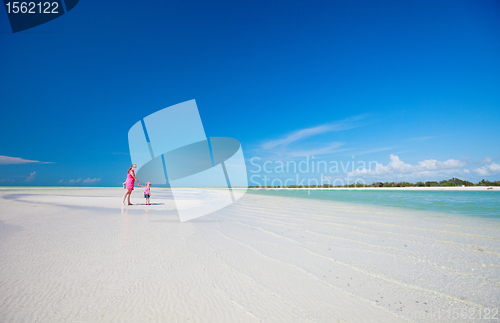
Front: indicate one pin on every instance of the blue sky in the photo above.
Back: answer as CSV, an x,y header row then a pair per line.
x,y
413,86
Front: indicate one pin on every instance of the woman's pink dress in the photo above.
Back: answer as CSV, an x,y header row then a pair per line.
x,y
130,180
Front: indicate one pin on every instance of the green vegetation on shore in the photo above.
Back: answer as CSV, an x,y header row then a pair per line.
x,y
444,183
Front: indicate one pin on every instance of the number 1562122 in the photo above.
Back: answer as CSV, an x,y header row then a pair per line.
x,y
32,7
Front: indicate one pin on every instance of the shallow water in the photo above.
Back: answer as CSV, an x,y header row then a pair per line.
x,y
477,203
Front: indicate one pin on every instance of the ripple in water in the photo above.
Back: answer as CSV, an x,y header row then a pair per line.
x,y
476,203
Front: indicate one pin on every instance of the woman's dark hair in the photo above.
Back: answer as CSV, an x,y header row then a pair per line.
x,y
131,168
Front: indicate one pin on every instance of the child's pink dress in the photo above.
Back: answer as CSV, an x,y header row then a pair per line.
x,y
130,180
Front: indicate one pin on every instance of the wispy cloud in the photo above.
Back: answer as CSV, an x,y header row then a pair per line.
x,y
402,151
375,150
297,144
6,180
426,137
296,136
327,149
422,138
301,134
73,181
487,160
31,177
88,180
7,160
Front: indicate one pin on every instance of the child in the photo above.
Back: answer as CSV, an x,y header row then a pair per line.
x,y
147,192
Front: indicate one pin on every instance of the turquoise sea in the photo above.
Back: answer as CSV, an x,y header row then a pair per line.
x,y
475,203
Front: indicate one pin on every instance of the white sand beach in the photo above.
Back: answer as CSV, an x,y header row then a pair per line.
x,y
78,255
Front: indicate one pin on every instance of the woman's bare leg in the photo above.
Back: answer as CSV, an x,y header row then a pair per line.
x,y
129,192
124,197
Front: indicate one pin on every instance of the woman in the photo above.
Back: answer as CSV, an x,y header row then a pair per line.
x,y
130,183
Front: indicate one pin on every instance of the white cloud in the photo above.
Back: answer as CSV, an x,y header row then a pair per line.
x,y
72,181
427,167
31,177
60,181
487,160
486,170
6,160
91,180
88,180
